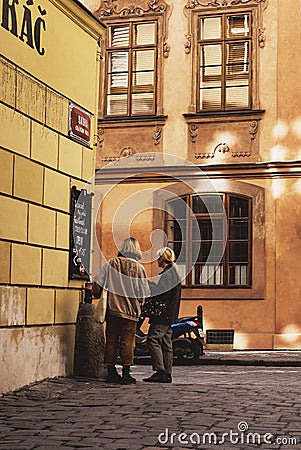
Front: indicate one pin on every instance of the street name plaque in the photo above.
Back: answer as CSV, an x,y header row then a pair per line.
x,y
79,124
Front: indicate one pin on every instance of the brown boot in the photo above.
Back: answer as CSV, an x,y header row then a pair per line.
x,y
113,376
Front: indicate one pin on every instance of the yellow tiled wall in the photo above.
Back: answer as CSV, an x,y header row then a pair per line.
x,y
40,306
56,190
44,145
39,166
40,163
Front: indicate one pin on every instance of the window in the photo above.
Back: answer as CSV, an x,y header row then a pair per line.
x,y
211,237
131,69
224,53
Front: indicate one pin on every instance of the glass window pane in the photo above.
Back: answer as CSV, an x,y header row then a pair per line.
x,y
239,207
117,82
238,25
207,274
238,252
210,28
211,59
143,79
203,228
212,275
118,62
207,230
205,250
210,73
210,99
143,103
240,80
216,252
198,205
144,34
238,229
237,97
237,58
117,105
144,60
206,204
207,82
119,36
177,208
218,229
238,275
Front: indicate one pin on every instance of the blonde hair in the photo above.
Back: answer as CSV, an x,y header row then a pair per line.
x,y
167,254
131,248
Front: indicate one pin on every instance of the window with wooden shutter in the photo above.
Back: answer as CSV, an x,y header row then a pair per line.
x,y
224,53
131,69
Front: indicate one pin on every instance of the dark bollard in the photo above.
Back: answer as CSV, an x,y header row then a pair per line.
x,y
89,344
200,316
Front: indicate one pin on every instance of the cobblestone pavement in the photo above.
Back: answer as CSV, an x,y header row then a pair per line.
x,y
239,407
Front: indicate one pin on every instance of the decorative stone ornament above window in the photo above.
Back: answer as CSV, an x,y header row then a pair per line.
x,y
123,8
116,9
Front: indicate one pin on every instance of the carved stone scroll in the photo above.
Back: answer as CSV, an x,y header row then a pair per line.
x,y
157,135
100,137
253,129
193,132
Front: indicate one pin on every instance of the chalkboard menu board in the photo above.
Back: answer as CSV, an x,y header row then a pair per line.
x,y
80,234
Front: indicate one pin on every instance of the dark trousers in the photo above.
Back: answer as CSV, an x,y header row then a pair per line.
x,y
160,346
124,329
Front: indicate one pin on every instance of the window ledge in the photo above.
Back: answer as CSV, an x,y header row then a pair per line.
x,y
196,293
224,116
133,120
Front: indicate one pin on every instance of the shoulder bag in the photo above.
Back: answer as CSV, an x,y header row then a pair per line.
x,y
153,307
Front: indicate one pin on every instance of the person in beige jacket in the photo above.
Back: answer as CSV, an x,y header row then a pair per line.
x,y
125,280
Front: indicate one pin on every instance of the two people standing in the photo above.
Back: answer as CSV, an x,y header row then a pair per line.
x,y
125,280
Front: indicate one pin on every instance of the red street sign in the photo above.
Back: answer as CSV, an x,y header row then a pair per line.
x,y
79,124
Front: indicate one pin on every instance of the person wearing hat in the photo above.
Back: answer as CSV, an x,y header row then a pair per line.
x,y
166,293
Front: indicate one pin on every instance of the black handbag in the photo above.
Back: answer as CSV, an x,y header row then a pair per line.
x,y
153,307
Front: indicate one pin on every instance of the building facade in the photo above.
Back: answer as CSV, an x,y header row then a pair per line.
x,y
199,138
49,70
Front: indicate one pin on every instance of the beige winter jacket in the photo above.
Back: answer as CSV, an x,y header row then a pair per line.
x,y
127,286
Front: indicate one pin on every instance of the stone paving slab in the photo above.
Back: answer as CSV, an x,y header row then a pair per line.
x,y
206,407
265,358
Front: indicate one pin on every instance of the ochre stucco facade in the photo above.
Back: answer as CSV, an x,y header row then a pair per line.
x,y
261,160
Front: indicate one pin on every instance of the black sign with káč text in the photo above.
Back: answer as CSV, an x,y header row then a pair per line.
x,y
80,234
